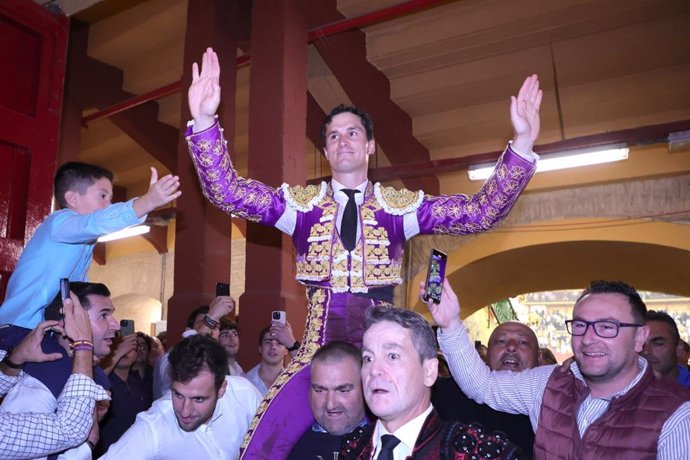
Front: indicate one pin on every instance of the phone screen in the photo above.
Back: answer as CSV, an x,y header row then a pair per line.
x,y
222,289
435,275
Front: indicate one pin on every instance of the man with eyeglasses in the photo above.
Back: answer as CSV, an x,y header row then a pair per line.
x,y
607,405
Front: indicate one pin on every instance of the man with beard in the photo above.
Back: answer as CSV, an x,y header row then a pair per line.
x,y
606,405
204,416
513,346
39,387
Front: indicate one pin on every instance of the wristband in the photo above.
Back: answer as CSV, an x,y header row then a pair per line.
x,y
210,322
295,346
83,347
77,343
9,363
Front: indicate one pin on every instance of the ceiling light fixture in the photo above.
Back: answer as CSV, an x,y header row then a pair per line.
x,y
563,160
125,233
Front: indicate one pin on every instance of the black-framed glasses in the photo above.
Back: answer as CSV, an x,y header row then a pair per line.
x,y
607,328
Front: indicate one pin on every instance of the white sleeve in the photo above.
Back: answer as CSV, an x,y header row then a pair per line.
x,y
287,221
81,452
140,442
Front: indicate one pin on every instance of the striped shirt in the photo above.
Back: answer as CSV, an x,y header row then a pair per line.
x,y
31,435
523,393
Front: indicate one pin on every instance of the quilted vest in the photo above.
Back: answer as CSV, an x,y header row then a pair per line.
x,y
629,429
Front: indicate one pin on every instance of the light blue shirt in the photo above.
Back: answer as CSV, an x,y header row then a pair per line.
x,y
61,247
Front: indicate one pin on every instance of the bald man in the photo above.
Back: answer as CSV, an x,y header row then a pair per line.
x,y
513,346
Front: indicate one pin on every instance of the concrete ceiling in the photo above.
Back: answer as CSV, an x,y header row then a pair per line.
x,y
605,66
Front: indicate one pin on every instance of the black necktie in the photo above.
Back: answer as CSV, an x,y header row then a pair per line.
x,y
388,443
348,227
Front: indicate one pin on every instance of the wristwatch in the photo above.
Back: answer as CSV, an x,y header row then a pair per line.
x,y
295,346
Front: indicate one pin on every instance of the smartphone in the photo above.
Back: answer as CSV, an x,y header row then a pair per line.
x,y
279,316
435,275
126,327
222,289
64,288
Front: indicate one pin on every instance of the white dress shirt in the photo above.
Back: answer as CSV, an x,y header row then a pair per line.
x,y
288,220
253,376
157,435
407,434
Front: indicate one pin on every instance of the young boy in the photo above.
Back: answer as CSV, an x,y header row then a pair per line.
x,y
63,244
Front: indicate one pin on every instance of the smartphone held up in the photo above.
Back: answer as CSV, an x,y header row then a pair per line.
x,y
434,276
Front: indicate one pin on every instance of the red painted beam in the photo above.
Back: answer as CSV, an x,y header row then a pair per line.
x,y
368,19
375,17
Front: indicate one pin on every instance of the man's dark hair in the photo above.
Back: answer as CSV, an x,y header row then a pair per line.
x,y
77,177
639,309
420,330
263,333
202,310
82,290
226,324
336,351
664,317
686,346
197,353
367,122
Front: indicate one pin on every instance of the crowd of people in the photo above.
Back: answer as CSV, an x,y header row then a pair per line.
x,y
369,380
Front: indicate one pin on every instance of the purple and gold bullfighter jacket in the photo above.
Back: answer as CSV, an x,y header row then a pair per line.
x,y
322,260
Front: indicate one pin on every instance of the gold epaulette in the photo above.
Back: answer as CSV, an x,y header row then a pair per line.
x,y
398,202
304,198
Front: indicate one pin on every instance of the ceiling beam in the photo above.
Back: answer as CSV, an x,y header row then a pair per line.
x,y
101,86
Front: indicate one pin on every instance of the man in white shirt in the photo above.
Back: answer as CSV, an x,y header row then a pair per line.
x,y
399,367
204,416
273,354
606,405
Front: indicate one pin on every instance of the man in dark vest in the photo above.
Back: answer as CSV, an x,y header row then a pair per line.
x,y
607,405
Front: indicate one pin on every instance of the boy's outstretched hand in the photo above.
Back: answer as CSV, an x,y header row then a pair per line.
x,y
161,191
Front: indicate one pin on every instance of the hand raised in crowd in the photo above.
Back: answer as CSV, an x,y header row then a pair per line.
x,y
524,114
447,313
221,306
29,350
161,191
204,92
283,333
77,322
